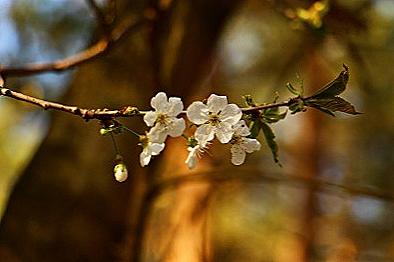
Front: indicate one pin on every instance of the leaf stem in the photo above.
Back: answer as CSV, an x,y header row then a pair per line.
x,y
131,131
115,144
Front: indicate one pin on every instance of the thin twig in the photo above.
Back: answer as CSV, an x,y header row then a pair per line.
x,y
100,114
96,50
103,113
265,106
117,151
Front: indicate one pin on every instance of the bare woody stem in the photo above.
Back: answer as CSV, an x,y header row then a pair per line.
x,y
87,114
96,50
266,106
103,113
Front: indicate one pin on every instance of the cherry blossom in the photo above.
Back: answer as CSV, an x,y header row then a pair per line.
x,y
150,148
195,148
215,118
164,119
241,144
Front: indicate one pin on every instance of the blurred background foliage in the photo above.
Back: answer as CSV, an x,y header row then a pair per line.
x,y
263,45
34,31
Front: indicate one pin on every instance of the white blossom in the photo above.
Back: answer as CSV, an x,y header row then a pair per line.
x,y
150,148
164,119
240,144
191,160
215,118
195,148
120,172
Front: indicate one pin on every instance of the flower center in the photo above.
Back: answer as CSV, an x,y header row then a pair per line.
x,y
213,119
144,141
192,142
235,140
163,119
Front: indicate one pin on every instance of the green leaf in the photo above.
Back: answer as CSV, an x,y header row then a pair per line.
x,y
270,139
331,105
249,100
297,106
292,89
272,115
296,91
334,88
327,99
324,110
254,127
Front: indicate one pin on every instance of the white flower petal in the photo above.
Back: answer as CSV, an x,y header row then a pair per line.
x,y
156,148
205,133
231,114
203,142
191,159
250,145
177,127
150,118
241,129
224,132
145,158
175,106
159,102
216,103
157,134
197,113
237,155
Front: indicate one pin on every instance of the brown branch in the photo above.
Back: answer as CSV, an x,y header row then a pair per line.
x,y
104,113
96,50
59,65
86,114
266,106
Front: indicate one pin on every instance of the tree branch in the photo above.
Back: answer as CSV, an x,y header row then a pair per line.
x,y
104,113
266,106
96,50
87,114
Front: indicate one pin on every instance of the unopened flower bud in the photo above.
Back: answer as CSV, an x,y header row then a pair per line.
x,y
120,172
104,131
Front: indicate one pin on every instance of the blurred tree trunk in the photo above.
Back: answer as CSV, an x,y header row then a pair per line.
x,y
308,158
184,220
66,206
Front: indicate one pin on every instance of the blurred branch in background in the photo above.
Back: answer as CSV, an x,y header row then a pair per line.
x,y
105,43
250,175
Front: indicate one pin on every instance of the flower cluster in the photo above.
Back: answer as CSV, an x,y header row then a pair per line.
x,y
215,119
164,122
